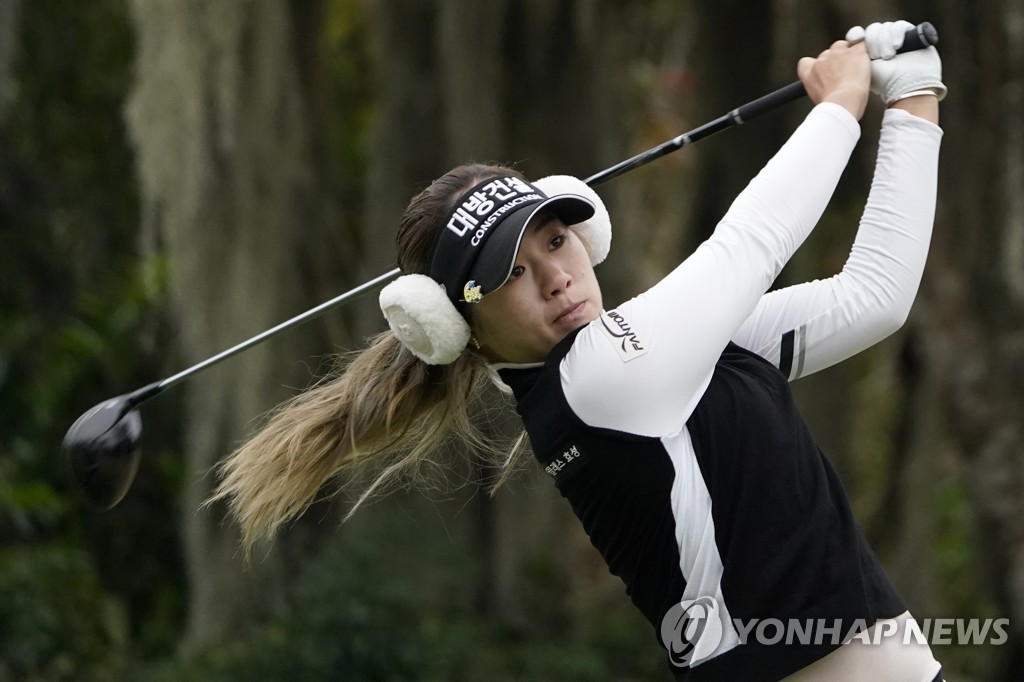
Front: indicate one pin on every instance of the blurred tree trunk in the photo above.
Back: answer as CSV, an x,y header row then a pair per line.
x,y
221,124
733,58
972,337
405,138
9,13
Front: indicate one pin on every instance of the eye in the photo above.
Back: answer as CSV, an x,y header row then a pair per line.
x,y
557,241
517,272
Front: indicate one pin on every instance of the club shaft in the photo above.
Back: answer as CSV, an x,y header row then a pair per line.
x,y
738,116
274,331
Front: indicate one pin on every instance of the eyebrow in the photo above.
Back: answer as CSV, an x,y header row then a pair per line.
x,y
543,220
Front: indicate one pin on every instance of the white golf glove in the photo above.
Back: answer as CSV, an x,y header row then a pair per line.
x,y
895,76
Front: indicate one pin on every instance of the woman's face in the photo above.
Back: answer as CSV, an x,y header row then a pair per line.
x,y
551,292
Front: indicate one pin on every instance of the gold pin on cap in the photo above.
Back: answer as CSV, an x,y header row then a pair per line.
x,y
471,292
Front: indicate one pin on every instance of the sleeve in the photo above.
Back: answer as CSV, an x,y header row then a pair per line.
x,y
643,366
807,327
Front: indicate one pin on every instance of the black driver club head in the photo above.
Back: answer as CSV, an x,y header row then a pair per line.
x,y
102,451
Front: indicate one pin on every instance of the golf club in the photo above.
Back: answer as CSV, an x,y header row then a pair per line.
x,y
101,449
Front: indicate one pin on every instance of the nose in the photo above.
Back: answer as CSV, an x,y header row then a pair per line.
x,y
556,280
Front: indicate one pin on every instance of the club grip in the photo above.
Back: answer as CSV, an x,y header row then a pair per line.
x,y
921,36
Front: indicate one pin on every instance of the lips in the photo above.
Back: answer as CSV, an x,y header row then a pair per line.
x,y
570,312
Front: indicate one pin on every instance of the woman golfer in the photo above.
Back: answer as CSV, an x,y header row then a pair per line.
x,y
667,421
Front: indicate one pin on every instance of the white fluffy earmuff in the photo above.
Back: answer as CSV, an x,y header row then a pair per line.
x,y
596,232
424,319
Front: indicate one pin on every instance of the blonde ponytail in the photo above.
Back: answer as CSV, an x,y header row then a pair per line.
x,y
385,415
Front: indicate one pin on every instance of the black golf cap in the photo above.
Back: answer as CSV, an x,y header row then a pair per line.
x,y
480,237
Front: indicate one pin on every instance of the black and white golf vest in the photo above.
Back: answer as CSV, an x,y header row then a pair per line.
x,y
788,545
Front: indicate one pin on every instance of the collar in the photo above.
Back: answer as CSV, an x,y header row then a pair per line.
x,y
521,377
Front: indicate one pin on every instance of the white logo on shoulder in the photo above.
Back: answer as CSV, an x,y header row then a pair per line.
x,y
627,344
